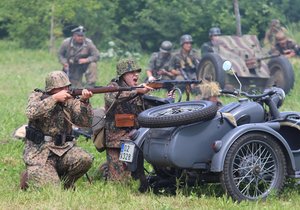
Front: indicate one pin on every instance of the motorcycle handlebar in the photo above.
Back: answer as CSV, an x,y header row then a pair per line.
x,y
236,93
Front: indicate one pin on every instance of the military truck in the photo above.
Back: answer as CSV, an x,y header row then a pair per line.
x,y
255,68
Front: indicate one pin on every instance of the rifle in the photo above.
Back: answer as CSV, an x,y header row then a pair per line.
x,y
170,84
188,87
102,89
157,84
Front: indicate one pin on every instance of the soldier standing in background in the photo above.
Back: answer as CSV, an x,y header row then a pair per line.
x,y
158,67
208,47
79,56
271,32
123,107
50,154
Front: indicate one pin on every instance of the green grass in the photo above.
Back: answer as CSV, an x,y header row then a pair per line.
x,y
21,72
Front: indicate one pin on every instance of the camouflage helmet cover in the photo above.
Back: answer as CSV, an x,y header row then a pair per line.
x,y
127,65
215,31
56,79
166,46
185,38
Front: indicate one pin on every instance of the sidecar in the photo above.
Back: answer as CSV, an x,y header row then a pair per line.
x,y
235,145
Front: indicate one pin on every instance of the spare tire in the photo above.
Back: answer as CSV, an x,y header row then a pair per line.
x,y
177,114
210,67
281,73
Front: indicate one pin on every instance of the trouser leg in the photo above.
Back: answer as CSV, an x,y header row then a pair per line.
x,y
75,75
116,168
73,165
42,175
91,74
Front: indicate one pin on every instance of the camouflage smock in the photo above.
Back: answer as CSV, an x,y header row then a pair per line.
x,y
128,102
186,61
69,50
48,117
157,62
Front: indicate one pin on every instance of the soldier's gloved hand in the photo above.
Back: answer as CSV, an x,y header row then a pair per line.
x,y
85,95
61,96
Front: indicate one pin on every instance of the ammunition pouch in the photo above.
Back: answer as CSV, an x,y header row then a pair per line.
x,y
34,135
124,120
38,137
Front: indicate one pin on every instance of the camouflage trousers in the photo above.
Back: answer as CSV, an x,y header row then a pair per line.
x,y
76,73
116,169
67,168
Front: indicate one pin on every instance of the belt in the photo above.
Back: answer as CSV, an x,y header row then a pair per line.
x,y
58,141
48,138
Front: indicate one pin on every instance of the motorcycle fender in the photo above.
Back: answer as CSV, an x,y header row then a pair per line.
x,y
138,148
270,128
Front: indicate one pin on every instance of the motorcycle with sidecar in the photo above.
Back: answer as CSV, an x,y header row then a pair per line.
x,y
248,146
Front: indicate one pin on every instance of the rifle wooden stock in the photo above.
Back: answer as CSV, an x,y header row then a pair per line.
x,y
102,89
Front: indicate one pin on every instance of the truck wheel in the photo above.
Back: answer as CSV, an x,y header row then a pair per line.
x,y
254,167
210,68
281,74
176,114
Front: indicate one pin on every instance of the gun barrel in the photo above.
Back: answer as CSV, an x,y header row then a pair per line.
x,y
168,84
268,57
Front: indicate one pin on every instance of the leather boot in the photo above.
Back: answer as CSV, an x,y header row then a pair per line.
x,y
24,180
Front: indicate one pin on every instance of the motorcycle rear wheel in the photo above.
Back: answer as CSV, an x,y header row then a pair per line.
x,y
254,167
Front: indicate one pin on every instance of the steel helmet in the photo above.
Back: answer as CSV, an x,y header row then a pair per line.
x,y
56,79
185,38
215,31
127,65
166,46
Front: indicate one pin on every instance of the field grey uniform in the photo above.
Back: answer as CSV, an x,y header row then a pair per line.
x,y
70,52
159,61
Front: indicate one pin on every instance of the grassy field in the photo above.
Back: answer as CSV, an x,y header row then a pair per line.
x,y
21,72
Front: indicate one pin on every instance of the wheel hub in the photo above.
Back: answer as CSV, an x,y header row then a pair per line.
x,y
250,165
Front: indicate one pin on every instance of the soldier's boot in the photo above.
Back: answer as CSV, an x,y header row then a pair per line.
x,y
24,180
144,185
103,169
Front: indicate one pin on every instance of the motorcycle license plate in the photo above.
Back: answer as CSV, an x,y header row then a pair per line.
x,y
126,153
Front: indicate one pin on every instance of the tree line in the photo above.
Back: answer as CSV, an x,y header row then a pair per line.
x,y
136,24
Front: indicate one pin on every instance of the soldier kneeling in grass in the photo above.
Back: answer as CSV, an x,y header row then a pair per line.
x,y
50,153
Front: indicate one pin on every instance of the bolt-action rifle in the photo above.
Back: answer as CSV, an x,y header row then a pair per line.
x,y
157,84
